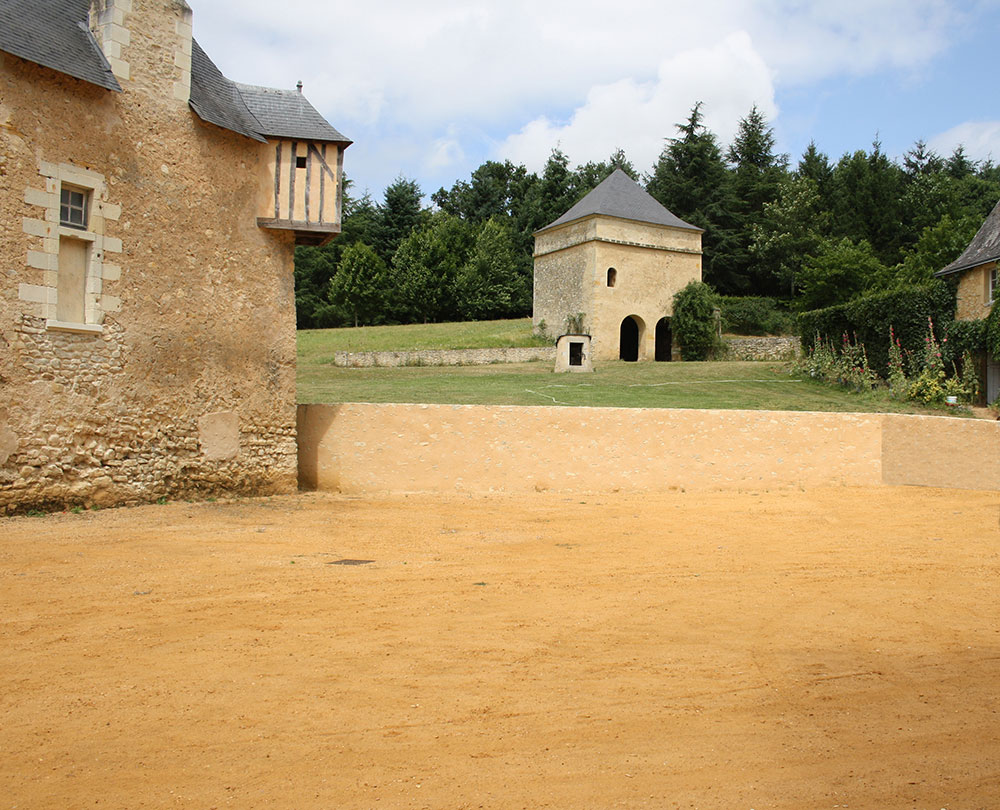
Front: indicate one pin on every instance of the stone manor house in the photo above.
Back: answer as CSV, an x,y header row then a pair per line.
x,y
150,210
615,261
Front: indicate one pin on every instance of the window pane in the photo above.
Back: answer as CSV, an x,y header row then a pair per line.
x,y
73,208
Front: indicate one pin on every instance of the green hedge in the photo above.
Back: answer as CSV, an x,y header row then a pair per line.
x,y
868,319
755,315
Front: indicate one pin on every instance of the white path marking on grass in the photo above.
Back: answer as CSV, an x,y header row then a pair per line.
x,y
706,382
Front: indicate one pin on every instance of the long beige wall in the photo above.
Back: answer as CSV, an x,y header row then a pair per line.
x,y
366,448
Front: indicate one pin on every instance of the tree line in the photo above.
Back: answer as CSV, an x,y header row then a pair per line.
x,y
816,234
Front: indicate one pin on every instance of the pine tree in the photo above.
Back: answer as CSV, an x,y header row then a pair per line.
x,y
756,179
400,212
690,179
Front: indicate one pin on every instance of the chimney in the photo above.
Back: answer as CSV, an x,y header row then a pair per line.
x,y
109,25
182,51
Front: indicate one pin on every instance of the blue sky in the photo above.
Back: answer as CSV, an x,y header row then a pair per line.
x,y
430,90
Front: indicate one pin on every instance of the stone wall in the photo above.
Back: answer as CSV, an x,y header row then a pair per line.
x,y
973,293
444,357
189,305
368,448
762,348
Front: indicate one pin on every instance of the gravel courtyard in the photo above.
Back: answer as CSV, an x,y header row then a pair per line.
x,y
817,649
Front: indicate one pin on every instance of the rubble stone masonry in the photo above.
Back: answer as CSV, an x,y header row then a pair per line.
x,y
176,374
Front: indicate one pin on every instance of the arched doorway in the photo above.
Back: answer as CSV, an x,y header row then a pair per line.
x,y
664,339
628,339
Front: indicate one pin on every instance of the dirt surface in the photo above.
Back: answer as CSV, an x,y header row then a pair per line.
x,y
823,649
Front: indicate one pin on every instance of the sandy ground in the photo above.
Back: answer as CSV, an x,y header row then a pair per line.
x,y
824,649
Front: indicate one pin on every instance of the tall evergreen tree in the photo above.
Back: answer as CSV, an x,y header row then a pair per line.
x,y
690,179
919,160
866,201
756,179
400,212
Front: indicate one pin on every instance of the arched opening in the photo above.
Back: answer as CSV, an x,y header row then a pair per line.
x,y
612,276
628,339
664,339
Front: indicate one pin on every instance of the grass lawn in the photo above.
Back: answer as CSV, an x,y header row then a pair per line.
x,y
736,385
318,345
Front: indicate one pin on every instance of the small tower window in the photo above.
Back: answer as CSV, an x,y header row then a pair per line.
x,y
73,207
612,276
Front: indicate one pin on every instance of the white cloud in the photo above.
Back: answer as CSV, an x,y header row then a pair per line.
x,y
394,72
981,140
637,116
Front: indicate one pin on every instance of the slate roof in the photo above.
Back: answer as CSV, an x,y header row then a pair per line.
x,y
55,34
984,247
618,195
216,99
287,114
257,112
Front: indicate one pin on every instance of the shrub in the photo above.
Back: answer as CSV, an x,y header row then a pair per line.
x,y
755,315
694,321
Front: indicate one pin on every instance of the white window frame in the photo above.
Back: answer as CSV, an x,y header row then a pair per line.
x,y
67,208
991,285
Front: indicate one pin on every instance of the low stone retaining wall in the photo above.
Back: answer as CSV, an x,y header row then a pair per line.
x,y
444,357
372,448
762,348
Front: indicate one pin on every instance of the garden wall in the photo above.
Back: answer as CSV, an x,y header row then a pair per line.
x,y
368,448
762,348
444,357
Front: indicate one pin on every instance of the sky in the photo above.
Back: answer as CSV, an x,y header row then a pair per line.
x,y
429,90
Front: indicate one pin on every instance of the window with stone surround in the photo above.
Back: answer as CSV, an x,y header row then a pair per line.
x,y
991,285
71,267
74,204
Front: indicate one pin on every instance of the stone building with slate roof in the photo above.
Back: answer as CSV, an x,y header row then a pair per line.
x,y
617,257
150,210
976,270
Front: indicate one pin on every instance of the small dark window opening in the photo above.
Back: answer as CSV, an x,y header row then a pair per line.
x,y
73,208
300,162
612,276
575,354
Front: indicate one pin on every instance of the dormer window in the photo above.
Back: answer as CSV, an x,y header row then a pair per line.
x,y
73,205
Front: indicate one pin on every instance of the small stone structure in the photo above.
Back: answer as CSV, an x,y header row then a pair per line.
x,y
150,208
610,266
573,353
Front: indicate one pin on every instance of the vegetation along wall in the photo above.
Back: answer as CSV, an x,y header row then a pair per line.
x,y
366,448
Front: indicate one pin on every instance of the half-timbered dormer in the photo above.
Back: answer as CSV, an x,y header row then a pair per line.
x,y
300,174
